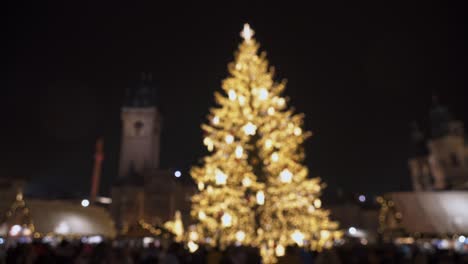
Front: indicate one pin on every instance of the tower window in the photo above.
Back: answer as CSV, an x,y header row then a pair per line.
x,y
138,125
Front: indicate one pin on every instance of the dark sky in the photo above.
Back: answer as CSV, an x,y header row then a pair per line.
x,y
360,71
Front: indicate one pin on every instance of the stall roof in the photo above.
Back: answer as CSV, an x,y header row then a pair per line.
x,y
70,218
433,212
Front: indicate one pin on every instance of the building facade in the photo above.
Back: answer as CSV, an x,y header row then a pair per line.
x,y
144,191
439,156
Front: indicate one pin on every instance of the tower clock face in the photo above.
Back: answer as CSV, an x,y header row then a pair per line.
x,y
138,128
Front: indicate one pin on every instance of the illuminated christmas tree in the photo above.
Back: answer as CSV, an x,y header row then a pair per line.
x,y
253,188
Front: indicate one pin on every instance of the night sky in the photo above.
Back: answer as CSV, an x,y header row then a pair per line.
x,y
360,71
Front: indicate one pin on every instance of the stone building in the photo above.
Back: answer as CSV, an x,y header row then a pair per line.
x,y
439,157
144,191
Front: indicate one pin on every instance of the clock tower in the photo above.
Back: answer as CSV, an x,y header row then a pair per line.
x,y
141,129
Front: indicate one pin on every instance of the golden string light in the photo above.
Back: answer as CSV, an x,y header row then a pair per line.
x,y
254,171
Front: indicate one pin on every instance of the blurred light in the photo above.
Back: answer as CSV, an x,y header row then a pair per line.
x,y
193,235
239,151
317,203
268,143
271,110
274,157
241,100
240,236
177,173
246,182
192,246
281,102
247,33
147,240
2,241
263,94
201,215
286,176
26,231
226,220
220,177
208,143
461,239
311,209
279,250
232,95
104,200
201,186
352,231
443,244
325,234
298,237
364,241
15,230
85,202
362,198
249,129
63,228
94,239
297,131
215,120
260,198
229,139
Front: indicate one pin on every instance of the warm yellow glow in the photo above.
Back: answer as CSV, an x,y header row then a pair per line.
x,y
317,203
208,143
192,246
239,151
201,215
176,226
246,182
325,234
274,157
226,220
263,94
249,129
260,197
215,120
280,250
26,231
271,110
241,100
232,95
286,176
220,177
297,131
229,139
298,237
240,236
193,235
281,102
257,142
247,33
201,186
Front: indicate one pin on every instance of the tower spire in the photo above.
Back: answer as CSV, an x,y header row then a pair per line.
x,y
98,158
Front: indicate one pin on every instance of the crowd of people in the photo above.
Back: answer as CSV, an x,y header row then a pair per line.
x,y
106,253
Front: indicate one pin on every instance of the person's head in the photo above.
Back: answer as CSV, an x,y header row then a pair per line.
x,y
174,247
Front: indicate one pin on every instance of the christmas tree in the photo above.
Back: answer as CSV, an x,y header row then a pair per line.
x,y
253,188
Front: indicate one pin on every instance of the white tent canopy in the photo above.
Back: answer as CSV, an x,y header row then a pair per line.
x,y
433,212
70,218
